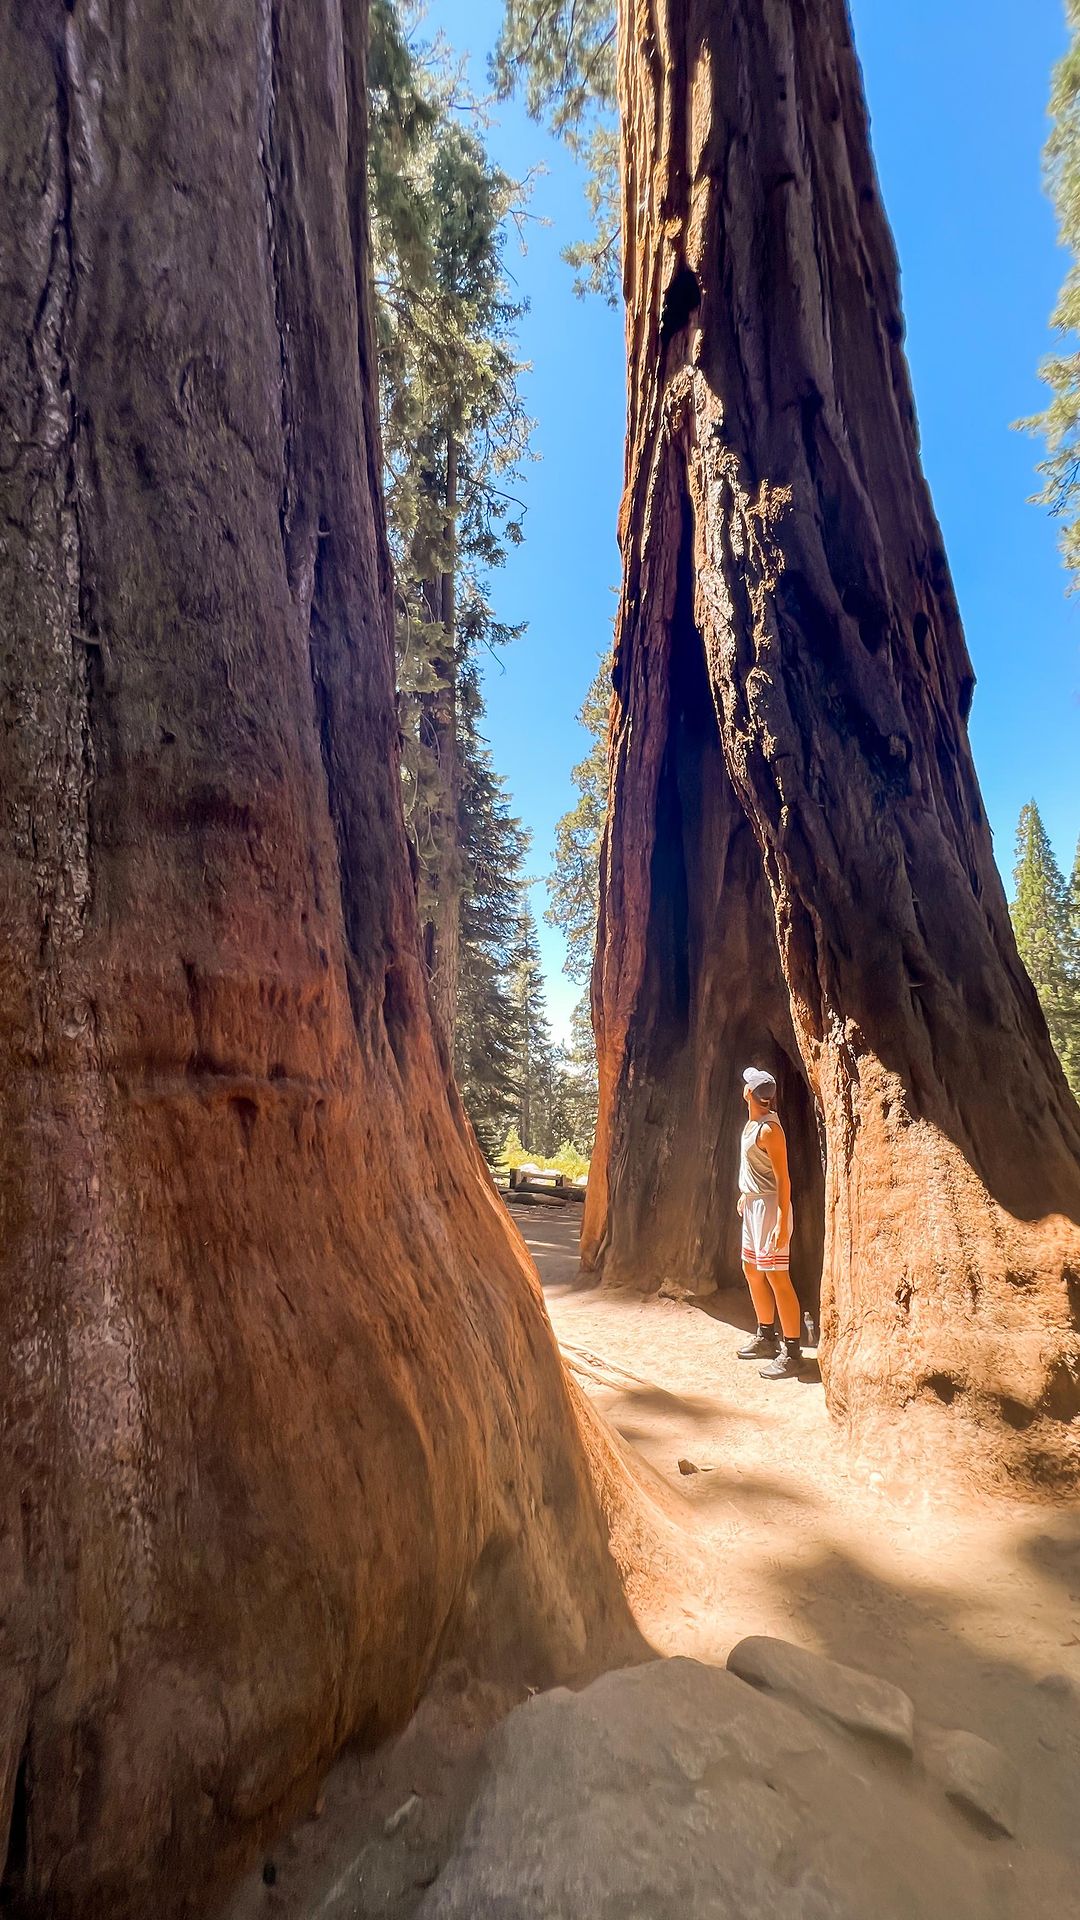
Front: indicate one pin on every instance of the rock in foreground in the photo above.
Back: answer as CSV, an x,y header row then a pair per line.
x,y
976,1775
677,1792
859,1701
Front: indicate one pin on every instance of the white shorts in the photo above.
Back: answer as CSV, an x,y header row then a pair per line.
x,y
760,1214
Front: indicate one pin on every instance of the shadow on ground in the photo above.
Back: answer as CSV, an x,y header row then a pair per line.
x,y
972,1607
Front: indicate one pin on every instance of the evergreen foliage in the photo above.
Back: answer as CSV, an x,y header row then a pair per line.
x,y
574,882
582,1078
556,1086
493,850
535,1053
1059,423
565,50
455,434
1046,919
455,430
1070,1057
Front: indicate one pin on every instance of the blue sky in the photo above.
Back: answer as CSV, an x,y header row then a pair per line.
x,y
957,99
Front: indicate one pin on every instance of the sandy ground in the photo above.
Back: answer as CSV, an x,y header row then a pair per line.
x,y
973,1606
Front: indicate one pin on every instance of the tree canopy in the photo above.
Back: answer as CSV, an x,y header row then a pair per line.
x,y
564,51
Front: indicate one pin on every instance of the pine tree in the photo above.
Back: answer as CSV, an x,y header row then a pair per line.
x,y
455,433
535,1059
493,847
558,1102
565,51
573,883
1042,919
1059,423
582,1079
1073,904
1070,1057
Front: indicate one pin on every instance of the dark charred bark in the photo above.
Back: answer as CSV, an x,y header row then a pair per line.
x,y
712,993
283,1418
798,866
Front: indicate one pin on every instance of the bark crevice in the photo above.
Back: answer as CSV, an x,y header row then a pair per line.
x,y
710,1000
269,158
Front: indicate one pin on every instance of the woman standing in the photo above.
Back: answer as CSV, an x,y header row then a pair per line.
x,y
765,1209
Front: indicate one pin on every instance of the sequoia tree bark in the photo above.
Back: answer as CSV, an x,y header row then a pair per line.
x,y
798,868
283,1418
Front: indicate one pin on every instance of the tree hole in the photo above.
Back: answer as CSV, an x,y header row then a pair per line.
x,y
397,1015
1015,1414
682,298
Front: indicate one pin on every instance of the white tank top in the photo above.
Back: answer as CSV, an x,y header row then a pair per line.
x,y
756,1171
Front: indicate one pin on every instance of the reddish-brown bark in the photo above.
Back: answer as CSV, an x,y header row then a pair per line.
x,y
283,1417
798,866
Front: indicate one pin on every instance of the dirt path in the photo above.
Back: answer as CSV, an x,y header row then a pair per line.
x,y
972,1607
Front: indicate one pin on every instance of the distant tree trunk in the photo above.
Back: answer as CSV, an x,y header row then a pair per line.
x,y
441,927
798,868
283,1418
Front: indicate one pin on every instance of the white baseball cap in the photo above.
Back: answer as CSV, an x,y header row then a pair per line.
x,y
759,1082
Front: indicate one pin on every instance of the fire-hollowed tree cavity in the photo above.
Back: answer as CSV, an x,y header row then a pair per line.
x,y
798,868
283,1417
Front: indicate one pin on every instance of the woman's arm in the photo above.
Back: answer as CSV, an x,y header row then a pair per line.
x,y
775,1145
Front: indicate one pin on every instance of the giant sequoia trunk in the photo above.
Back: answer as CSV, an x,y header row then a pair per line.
x,y
283,1416
798,866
